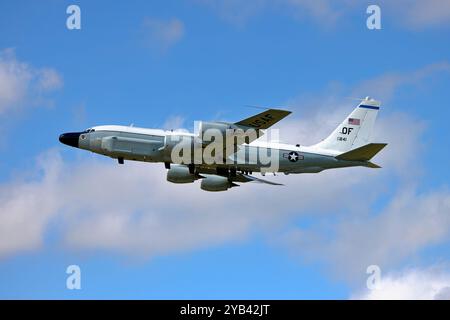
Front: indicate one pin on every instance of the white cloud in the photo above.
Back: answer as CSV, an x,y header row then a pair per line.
x,y
14,79
323,11
385,86
132,209
238,12
27,206
48,79
410,222
413,284
419,14
163,34
174,123
412,14
21,83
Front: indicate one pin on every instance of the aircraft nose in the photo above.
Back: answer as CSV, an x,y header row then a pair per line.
x,y
70,138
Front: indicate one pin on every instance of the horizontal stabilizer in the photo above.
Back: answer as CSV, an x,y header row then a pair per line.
x,y
264,119
364,153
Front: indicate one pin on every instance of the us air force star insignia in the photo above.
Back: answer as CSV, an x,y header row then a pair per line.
x,y
293,156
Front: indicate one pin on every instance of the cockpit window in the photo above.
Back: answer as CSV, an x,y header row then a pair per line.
x,y
89,130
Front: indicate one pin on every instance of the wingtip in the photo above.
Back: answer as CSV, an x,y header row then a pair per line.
x,y
373,165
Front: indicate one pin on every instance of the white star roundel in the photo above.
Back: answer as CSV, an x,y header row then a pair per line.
x,y
293,156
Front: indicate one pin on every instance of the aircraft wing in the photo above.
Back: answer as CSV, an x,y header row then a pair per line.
x,y
264,120
258,122
244,131
248,178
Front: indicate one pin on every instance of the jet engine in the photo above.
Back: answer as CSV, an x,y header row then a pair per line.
x,y
180,174
216,183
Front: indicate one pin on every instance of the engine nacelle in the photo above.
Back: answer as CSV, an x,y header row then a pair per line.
x,y
216,183
180,174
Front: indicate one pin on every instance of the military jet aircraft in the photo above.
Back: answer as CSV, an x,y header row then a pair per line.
x,y
223,167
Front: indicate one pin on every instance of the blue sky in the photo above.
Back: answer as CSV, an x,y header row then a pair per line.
x,y
162,64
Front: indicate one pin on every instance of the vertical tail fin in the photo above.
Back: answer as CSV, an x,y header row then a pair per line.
x,y
356,130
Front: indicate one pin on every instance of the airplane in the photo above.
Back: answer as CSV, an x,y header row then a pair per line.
x,y
347,146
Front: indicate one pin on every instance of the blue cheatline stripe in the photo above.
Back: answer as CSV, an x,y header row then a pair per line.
x,y
369,107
